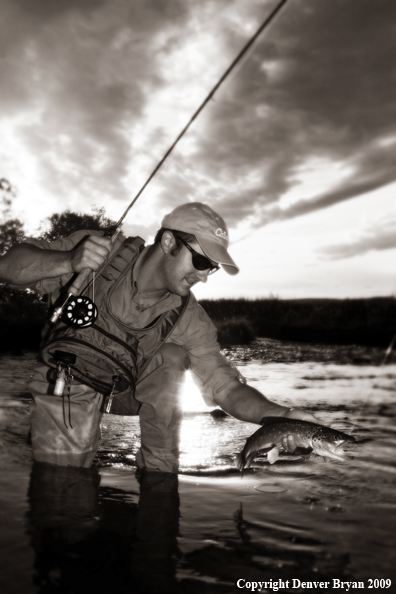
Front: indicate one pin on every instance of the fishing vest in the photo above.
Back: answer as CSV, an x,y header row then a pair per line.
x,y
110,348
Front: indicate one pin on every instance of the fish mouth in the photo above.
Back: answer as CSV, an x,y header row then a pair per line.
x,y
334,451
351,447
340,452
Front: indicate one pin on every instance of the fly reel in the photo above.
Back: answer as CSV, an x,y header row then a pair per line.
x,y
80,312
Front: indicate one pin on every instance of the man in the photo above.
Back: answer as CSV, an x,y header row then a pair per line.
x,y
150,329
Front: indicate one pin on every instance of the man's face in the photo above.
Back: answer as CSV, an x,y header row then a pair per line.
x,y
180,275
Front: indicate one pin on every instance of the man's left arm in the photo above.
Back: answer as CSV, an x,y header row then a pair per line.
x,y
218,379
248,404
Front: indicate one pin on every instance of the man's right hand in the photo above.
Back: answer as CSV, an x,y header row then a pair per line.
x,y
91,253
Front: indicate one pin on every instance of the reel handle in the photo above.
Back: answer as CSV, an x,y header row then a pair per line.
x,y
78,282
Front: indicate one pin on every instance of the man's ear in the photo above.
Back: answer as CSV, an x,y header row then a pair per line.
x,y
168,242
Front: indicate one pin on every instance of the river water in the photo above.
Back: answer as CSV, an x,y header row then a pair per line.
x,y
298,522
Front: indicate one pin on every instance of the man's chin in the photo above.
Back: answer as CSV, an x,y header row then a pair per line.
x,y
184,292
184,288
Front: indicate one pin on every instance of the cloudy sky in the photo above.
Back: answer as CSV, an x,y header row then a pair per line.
x,y
296,151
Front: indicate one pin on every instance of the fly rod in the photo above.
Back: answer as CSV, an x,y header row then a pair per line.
x,y
87,315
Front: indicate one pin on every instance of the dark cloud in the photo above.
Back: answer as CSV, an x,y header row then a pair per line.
x,y
381,236
47,9
372,169
88,81
320,83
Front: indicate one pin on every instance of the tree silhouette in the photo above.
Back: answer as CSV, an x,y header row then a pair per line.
x,y
67,222
11,232
57,225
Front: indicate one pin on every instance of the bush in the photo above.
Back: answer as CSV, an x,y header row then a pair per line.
x,y
237,330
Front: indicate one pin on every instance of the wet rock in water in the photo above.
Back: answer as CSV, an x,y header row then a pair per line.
x,y
217,413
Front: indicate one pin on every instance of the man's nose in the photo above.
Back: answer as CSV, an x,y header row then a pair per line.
x,y
202,275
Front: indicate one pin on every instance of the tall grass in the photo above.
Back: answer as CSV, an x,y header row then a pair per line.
x,y
338,321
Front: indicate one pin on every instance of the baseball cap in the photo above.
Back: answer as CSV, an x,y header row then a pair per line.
x,y
209,229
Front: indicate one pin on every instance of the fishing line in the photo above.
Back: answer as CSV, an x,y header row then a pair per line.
x,y
388,350
365,402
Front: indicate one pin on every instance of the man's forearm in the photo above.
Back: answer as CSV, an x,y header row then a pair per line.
x,y
248,404
25,264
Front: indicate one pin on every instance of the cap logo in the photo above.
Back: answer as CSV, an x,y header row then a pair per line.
x,y
221,233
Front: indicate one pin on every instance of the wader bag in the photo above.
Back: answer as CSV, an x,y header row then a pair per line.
x,y
109,355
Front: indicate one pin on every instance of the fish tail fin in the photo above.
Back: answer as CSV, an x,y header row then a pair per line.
x,y
240,462
249,459
243,461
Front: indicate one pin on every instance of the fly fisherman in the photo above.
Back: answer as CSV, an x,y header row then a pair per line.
x,y
149,331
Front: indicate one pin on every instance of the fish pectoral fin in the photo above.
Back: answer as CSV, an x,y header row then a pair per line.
x,y
273,455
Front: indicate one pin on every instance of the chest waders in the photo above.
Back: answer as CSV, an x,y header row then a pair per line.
x,y
109,355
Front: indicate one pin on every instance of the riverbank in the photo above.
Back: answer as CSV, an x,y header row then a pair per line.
x,y
370,322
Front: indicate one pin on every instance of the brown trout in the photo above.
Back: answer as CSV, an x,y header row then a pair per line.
x,y
309,437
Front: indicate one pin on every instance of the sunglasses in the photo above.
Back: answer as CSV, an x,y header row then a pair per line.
x,y
199,261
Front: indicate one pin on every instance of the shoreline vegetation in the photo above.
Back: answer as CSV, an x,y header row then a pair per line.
x,y
369,322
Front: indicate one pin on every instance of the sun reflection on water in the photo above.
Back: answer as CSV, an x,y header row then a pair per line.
x,y
191,398
201,443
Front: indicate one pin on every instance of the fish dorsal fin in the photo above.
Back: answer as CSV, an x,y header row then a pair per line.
x,y
273,455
